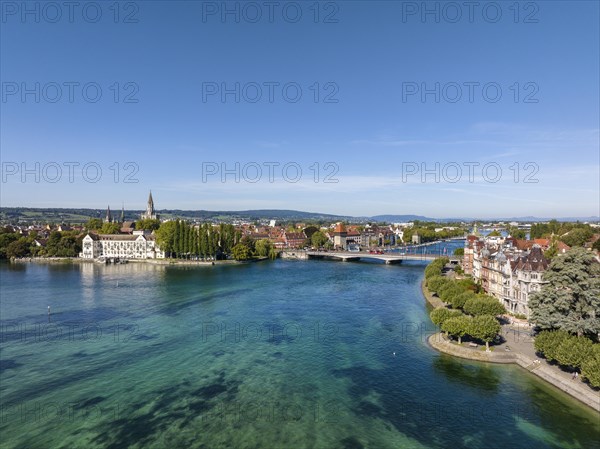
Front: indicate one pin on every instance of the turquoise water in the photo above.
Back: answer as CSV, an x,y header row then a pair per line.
x,y
283,354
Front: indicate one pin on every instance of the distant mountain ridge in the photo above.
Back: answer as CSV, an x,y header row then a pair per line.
x,y
73,215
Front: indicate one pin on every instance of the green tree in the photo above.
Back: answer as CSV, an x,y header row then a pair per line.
x,y
310,230
165,237
263,247
459,252
6,238
18,248
577,236
517,233
573,350
590,367
547,342
477,306
571,298
459,301
435,282
241,251
441,314
485,328
273,253
93,224
204,246
110,228
318,239
457,326
53,244
148,224
435,268
447,292
69,246
468,284
551,252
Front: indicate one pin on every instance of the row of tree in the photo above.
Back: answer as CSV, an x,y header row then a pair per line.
x,y
573,234
477,317
179,239
428,234
567,309
571,351
59,244
457,324
249,248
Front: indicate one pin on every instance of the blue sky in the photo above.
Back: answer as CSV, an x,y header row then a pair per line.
x,y
361,119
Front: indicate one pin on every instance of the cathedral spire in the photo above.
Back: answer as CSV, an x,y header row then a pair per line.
x,y
108,218
150,212
150,207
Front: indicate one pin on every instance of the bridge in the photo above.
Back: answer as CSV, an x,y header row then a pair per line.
x,y
389,258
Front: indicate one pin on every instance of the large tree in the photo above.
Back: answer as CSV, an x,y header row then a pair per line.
x,y
148,224
263,247
458,326
484,327
241,251
110,228
94,224
483,305
165,236
441,314
435,282
18,248
571,298
318,239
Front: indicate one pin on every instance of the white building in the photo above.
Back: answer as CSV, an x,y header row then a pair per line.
x,y
140,245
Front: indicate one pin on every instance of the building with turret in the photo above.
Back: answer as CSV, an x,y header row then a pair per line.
x,y
339,236
509,270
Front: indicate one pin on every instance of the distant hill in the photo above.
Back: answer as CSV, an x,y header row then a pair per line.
x,y
81,215
273,214
402,218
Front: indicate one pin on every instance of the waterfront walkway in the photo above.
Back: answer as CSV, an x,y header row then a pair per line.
x,y
518,340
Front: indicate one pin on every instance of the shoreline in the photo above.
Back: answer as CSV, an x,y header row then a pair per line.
x,y
582,392
166,262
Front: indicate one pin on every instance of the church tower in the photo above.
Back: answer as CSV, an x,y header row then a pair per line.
x,y
108,218
150,212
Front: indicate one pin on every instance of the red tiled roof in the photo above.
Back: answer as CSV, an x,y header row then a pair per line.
x,y
339,228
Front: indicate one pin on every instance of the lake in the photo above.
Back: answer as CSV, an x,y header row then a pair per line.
x,y
277,354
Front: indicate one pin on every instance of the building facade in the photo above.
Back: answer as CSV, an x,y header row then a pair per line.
x,y
140,245
509,270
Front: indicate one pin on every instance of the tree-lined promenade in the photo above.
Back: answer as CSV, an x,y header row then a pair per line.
x,y
565,314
